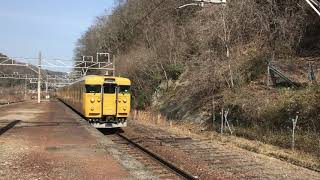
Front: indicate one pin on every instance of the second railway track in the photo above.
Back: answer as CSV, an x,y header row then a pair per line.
x,y
153,162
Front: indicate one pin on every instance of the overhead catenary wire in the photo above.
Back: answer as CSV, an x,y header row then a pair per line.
x,y
140,21
163,17
314,4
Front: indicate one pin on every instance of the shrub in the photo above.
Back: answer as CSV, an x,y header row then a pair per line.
x,y
174,71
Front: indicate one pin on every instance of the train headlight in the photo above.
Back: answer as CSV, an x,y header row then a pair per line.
x,y
92,100
99,100
124,109
92,108
125,101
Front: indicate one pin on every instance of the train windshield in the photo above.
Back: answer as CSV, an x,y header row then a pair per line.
x,y
93,89
109,88
124,89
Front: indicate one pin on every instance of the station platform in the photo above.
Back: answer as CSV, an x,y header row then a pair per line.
x,y
47,141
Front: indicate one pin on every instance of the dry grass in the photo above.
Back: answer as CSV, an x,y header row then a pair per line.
x,y
265,115
194,130
11,98
12,94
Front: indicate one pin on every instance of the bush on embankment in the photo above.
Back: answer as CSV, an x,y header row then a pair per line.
x,y
177,59
267,116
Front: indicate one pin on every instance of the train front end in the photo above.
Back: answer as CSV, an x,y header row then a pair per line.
x,y
93,99
116,102
123,99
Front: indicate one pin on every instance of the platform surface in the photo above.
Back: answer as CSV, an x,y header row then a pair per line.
x,y
46,141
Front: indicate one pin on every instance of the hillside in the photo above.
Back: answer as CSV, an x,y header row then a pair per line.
x,y
181,61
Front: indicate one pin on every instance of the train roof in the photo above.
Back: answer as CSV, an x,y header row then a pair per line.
x,y
95,79
119,80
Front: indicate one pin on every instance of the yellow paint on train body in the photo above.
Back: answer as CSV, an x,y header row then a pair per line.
x,y
103,100
124,97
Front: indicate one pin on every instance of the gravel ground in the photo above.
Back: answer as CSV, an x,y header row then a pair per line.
x,y
48,143
52,142
214,160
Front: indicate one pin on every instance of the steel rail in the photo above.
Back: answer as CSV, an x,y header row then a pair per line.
x,y
167,164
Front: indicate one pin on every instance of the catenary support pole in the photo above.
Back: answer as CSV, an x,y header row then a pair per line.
x,y
114,65
25,89
39,78
47,86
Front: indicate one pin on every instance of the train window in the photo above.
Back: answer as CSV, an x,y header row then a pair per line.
x,y
124,89
109,88
93,89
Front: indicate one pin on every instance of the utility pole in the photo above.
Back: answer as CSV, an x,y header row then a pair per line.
x,y
222,121
294,125
25,89
269,74
114,65
226,41
39,78
47,87
47,82
201,3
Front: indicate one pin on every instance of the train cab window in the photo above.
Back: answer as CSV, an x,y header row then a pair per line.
x,y
109,88
93,89
124,89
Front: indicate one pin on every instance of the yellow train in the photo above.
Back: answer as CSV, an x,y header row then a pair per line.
x,y
103,100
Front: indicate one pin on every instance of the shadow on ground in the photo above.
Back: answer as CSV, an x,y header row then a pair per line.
x,y
110,131
9,126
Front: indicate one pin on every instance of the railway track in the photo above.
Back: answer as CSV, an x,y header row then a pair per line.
x,y
153,162
211,157
152,147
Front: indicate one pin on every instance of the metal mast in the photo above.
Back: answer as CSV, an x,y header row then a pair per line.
x,y
39,78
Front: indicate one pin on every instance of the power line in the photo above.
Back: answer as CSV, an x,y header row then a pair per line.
x,y
139,21
314,5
